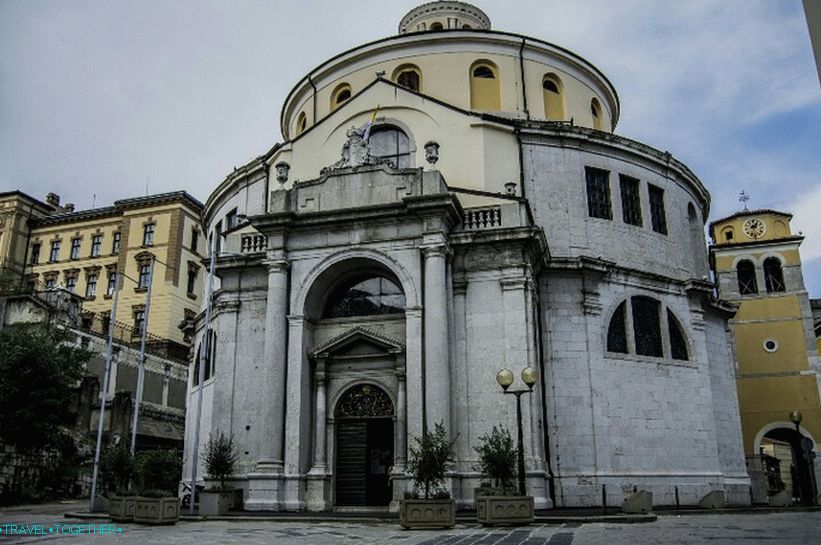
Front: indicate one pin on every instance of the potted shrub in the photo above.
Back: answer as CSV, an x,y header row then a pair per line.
x,y
220,459
428,463
501,502
117,470
158,473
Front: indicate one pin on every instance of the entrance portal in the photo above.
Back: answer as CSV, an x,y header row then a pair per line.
x,y
364,446
788,461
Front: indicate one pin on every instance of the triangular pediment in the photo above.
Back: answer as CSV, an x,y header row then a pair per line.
x,y
358,340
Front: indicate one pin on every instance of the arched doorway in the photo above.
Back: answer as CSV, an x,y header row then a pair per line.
x,y
364,446
787,459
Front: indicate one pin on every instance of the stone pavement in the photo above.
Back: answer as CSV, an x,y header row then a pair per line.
x,y
786,528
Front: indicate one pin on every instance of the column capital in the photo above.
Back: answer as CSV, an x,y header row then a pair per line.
x,y
435,250
516,283
276,261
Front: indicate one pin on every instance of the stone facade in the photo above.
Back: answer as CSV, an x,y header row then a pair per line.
x,y
500,261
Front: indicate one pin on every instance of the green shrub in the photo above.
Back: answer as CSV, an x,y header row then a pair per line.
x,y
159,471
117,469
497,457
220,458
431,459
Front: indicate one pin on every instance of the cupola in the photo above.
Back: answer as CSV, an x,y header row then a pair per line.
x,y
444,15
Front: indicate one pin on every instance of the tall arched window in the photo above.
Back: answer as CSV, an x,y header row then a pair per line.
x,y
210,365
484,87
747,284
646,326
678,344
365,296
773,275
595,111
617,331
301,123
553,100
436,26
391,144
340,95
408,76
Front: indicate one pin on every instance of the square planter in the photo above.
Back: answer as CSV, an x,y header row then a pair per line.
x,y
427,513
215,502
121,508
157,510
504,509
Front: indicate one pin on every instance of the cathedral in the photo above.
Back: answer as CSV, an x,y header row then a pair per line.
x,y
445,203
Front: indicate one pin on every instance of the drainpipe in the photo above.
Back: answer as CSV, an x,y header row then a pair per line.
x,y
522,70
518,132
313,100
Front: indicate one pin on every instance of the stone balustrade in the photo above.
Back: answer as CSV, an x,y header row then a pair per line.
x,y
512,214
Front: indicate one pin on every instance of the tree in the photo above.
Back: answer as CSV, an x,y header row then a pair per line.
x,y
497,456
220,458
431,458
38,373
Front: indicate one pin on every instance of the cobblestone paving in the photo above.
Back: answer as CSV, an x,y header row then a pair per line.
x,y
794,528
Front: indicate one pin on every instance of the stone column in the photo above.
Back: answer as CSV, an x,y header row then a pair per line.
x,y
272,404
437,369
320,454
401,423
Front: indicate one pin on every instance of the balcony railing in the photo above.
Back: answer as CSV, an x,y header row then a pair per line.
x,y
253,243
483,218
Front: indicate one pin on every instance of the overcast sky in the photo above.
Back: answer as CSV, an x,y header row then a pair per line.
x,y
105,97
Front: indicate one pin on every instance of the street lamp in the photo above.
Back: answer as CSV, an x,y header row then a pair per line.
x,y
505,379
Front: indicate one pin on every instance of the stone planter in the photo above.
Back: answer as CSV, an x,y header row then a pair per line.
x,y
504,510
121,508
427,513
157,510
215,502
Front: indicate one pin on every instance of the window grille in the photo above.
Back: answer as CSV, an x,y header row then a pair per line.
x,y
598,193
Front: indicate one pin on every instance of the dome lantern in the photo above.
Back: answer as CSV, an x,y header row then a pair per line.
x,y
444,15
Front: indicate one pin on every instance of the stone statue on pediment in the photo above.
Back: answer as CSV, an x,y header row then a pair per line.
x,y
355,152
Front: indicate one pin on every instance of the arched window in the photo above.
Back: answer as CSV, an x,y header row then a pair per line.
x,y
364,401
210,366
678,344
301,123
647,326
650,333
747,284
553,100
773,275
340,95
408,76
466,27
617,331
365,296
391,144
436,26
484,87
595,111
728,234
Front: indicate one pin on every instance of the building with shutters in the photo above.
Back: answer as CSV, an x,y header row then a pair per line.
x,y
372,279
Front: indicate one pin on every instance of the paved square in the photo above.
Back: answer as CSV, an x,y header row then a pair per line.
x,y
793,528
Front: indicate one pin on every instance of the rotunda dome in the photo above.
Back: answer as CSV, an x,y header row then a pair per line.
x,y
444,15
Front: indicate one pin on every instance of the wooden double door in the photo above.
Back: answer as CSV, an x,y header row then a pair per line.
x,y
364,458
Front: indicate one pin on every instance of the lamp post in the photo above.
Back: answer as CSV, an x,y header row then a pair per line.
x,y
505,379
804,456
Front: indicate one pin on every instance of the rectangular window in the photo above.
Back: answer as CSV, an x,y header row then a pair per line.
x,y
75,248
145,273
91,285
139,321
657,216
192,280
148,234
54,255
112,283
218,238
231,219
598,193
96,244
71,283
35,254
630,200
115,244
195,238
51,283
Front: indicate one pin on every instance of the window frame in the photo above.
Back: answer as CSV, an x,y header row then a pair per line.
x,y
597,190
774,277
34,257
148,233
96,245
667,320
744,285
91,285
630,191
76,245
116,238
658,210
54,251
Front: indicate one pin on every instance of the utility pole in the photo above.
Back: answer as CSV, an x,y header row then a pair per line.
x,y
141,369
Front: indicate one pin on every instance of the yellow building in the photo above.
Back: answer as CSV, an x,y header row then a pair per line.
x,y
16,208
81,250
755,257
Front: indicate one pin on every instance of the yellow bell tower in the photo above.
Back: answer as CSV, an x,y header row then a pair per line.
x,y
755,258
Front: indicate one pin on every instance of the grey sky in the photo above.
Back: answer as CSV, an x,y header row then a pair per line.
x,y
102,96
